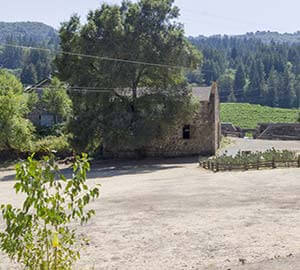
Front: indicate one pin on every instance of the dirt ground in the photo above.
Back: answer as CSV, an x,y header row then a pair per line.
x,y
173,215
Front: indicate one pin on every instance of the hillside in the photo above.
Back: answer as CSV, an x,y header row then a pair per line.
x,y
268,37
28,32
250,71
29,65
264,36
248,115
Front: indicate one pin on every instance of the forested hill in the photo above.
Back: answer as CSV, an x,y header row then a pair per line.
x,y
27,32
249,70
264,36
261,67
268,37
30,66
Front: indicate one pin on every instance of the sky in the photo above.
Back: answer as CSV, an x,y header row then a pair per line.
x,y
199,17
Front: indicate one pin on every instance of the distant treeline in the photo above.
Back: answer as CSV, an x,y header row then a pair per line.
x,y
250,70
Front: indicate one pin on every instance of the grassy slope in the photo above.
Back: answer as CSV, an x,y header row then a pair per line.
x,y
248,115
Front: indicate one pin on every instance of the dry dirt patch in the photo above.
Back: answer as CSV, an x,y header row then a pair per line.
x,y
173,215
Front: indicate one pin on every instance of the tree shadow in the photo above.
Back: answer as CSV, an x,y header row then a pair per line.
x,y
111,168
6,178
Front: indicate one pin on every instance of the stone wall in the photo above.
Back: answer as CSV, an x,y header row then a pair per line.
x,y
205,135
201,137
284,131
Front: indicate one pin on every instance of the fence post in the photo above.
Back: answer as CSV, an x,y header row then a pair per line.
x,y
217,166
213,166
299,161
257,165
246,165
273,163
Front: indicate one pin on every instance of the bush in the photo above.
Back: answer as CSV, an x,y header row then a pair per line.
x,y
55,130
59,145
41,147
41,234
244,157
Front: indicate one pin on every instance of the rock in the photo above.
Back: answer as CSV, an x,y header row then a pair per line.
x,y
242,261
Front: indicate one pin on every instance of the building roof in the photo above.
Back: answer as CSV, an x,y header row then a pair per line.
x,y
38,85
202,93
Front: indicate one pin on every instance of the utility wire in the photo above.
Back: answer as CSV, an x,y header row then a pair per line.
x,y
104,58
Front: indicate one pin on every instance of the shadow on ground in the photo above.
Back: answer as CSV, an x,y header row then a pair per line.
x,y
110,168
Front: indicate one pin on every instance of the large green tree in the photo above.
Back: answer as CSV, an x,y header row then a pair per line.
x,y
257,89
15,130
287,95
225,85
146,98
29,75
273,86
239,83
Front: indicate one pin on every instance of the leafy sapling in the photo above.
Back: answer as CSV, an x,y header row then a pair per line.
x,y
42,234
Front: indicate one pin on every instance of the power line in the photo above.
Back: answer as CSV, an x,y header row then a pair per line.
x,y
104,58
32,87
89,91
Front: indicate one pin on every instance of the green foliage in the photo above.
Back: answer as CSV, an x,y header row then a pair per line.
x,y
34,31
31,65
249,115
239,83
287,90
242,158
58,144
226,84
41,234
266,73
145,97
56,100
9,83
269,37
15,130
29,75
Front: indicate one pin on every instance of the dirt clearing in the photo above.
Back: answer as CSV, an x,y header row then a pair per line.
x,y
177,216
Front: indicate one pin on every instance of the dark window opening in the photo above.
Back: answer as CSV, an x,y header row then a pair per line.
x,y
186,132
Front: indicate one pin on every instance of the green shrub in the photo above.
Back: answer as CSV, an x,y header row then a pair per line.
x,y
245,157
55,130
41,235
59,145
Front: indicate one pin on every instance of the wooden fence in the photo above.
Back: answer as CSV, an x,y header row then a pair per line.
x,y
216,166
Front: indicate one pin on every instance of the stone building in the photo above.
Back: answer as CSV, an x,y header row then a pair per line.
x,y
199,136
